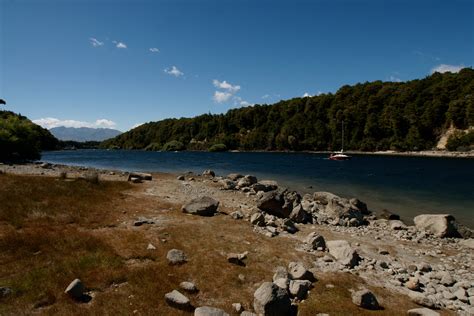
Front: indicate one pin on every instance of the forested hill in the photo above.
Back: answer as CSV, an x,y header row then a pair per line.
x,y
377,116
21,139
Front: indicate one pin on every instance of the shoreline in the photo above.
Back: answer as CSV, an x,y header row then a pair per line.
x,y
377,257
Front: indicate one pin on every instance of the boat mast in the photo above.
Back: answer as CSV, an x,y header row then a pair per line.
x,y
342,147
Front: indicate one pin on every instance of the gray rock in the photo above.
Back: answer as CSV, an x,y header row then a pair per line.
x,y
237,215
140,175
422,312
385,214
237,258
280,273
284,283
189,287
227,184
176,257
257,219
461,295
209,311
181,178
343,252
270,299
75,289
142,221
234,176
272,203
177,300
299,215
440,225
203,206
361,206
5,291
246,181
299,288
46,165
338,209
447,279
297,271
289,226
468,243
398,225
413,284
315,241
209,173
423,300
365,299
237,307
263,187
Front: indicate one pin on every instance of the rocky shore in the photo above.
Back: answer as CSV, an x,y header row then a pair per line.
x,y
430,262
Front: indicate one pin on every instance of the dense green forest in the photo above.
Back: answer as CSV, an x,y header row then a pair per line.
x,y
21,139
377,115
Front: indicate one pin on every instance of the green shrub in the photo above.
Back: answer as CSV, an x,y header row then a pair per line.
x,y
218,147
173,145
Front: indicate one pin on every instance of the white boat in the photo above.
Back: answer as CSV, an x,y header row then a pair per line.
x,y
339,155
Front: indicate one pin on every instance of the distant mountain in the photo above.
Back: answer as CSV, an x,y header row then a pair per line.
x,y
83,134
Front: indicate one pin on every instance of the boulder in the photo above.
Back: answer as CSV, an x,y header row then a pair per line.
x,y
284,283
189,287
314,241
180,178
264,186
272,203
361,206
422,312
203,206
386,214
177,300
237,215
468,243
140,175
227,184
440,225
176,257
246,181
237,258
343,252
398,225
209,311
413,284
299,288
75,289
337,210
297,271
280,273
209,173
422,300
270,299
257,219
365,299
234,176
299,215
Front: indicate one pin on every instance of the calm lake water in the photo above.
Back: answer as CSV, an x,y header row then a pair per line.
x,y
404,185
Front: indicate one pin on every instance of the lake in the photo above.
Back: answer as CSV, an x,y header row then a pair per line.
x,y
404,185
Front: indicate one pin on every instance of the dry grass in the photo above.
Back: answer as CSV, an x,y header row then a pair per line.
x,y
41,252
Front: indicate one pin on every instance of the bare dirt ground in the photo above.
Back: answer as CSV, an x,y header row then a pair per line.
x,y
124,267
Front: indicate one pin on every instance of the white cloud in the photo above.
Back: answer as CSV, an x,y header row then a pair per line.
x,y
221,97
225,86
50,122
95,42
306,94
120,44
265,96
174,71
136,125
394,79
154,50
447,68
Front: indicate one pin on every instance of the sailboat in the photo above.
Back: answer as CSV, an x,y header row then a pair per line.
x,y
339,155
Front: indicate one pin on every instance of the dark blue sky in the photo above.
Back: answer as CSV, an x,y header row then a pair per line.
x,y
85,60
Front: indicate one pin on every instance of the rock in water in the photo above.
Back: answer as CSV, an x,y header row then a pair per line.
x,y
177,300
234,176
270,299
176,256
209,311
365,299
422,312
343,252
440,225
203,206
75,289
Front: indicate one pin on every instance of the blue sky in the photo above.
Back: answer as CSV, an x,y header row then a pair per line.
x,y
121,63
